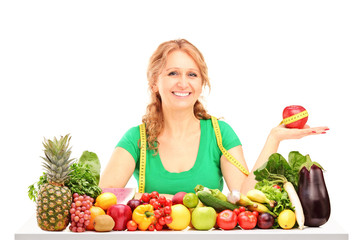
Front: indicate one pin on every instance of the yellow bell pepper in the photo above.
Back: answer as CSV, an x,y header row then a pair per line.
x,y
143,215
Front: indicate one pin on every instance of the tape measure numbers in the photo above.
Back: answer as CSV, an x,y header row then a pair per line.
x,y
142,166
228,156
142,158
294,117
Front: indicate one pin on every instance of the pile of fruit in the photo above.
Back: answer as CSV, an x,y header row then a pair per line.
x,y
288,194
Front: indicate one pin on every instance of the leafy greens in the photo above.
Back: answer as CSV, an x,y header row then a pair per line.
x,y
278,165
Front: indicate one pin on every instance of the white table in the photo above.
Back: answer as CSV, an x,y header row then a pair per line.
x,y
330,231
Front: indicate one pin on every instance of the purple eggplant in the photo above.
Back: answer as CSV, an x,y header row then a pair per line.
x,y
313,194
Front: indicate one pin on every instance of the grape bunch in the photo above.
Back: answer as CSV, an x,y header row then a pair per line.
x,y
162,209
80,212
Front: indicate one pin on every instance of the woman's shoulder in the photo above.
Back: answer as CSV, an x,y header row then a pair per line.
x,y
222,123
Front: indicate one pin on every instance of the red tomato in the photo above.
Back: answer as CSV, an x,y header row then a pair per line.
x,y
256,213
236,211
154,194
277,186
151,227
242,209
131,225
226,220
247,220
145,197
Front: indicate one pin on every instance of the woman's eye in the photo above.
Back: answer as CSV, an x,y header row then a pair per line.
x,y
173,73
192,74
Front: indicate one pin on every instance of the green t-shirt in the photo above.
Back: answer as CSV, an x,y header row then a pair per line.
x,y
206,170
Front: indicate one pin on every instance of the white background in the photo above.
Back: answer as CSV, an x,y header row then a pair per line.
x,y
79,67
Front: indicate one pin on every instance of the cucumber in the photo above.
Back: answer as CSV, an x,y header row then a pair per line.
x,y
211,201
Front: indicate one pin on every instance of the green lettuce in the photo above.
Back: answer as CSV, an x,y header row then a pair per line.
x,y
91,160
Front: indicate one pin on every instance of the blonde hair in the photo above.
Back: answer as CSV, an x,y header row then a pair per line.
x,y
154,118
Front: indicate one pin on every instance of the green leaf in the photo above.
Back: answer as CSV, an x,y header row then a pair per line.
x,y
91,160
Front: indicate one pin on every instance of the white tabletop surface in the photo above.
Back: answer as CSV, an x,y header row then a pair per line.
x,y
330,231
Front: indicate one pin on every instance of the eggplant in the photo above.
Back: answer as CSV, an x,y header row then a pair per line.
x,y
313,194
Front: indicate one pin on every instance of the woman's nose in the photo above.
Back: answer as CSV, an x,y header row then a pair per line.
x,y
183,81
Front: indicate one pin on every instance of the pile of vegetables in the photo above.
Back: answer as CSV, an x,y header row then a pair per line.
x,y
83,179
298,185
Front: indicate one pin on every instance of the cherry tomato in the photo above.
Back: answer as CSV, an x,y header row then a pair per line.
x,y
168,219
226,220
277,186
168,202
161,221
242,209
158,226
162,200
247,220
167,210
157,213
154,194
236,211
145,197
256,213
151,227
131,225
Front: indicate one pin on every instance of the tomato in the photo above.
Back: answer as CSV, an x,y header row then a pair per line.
x,y
236,211
131,225
247,220
256,213
158,226
168,219
154,194
242,209
151,227
277,186
162,200
145,197
167,210
226,220
168,202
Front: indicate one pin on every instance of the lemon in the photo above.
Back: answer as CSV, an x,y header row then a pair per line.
x,y
105,200
190,200
287,219
181,217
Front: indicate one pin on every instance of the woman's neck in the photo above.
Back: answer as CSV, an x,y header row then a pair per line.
x,y
180,123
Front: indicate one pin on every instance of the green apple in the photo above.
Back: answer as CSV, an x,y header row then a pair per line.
x,y
203,218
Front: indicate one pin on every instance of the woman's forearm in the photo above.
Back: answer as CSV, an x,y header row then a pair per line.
x,y
271,146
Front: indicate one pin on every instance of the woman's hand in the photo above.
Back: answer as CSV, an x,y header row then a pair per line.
x,y
282,133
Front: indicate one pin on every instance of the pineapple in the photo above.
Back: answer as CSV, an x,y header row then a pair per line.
x,y
54,199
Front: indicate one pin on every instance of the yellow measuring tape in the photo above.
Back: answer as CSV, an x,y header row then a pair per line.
x,y
294,117
228,156
142,158
218,140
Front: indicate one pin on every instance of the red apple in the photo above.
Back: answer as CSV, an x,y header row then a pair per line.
x,y
121,214
292,110
178,198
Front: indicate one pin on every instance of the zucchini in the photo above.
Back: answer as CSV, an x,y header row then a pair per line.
x,y
211,201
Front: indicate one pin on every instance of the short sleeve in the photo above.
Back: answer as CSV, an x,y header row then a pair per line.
x,y
228,135
130,142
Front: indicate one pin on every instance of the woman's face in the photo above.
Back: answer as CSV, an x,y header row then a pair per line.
x,y
179,83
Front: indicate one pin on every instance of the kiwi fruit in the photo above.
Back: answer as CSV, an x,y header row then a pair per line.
x,y
103,223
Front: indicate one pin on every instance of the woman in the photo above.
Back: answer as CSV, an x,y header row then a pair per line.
x,y
182,150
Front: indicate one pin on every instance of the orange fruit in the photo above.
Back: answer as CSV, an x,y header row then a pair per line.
x,y
95,211
105,200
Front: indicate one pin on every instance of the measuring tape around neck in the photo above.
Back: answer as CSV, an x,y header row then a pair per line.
x,y
142,166
228,156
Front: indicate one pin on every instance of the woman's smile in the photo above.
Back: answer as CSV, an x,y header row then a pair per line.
x,y
181,94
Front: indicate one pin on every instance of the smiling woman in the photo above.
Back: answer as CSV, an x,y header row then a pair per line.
x,y
182,149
